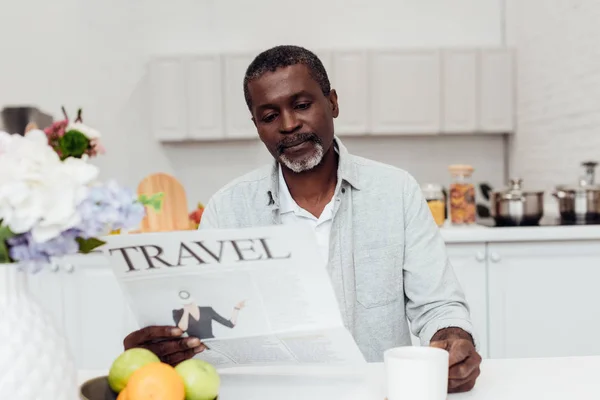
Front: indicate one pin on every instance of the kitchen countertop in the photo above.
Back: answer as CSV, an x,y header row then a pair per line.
x,y
485,232
501,379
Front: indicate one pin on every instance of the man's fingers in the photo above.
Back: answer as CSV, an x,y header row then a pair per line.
x,y
459,351
166,347
150,333
464,386
457,383
466,368
440,344
176,358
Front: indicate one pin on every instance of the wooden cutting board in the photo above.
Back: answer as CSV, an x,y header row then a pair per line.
x,y
173,212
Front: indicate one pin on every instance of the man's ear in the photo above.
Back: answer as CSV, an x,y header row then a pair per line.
x,y
333,101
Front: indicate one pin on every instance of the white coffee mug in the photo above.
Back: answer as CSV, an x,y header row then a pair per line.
x,y
416,373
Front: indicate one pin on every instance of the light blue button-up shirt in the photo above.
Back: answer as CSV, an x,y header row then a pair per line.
x,y
387,259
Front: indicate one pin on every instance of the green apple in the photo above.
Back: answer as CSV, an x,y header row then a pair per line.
x,y
126,364
200,378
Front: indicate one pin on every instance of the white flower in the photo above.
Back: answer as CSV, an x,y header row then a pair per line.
x,y
39,192
90,133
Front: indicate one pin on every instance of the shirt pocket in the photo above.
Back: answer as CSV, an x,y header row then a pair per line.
x,y
378,275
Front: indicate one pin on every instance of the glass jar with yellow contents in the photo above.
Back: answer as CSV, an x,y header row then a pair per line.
x,y
434,195
462,207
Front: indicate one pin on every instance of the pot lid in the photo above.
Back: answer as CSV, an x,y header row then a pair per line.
x,y
515,190
579,188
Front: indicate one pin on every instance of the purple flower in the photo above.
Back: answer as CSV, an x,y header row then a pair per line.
x,y
109,207
29,253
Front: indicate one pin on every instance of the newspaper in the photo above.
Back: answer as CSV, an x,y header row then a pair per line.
x,y
256,296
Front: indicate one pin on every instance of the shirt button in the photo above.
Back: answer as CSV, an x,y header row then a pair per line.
x,y
343,190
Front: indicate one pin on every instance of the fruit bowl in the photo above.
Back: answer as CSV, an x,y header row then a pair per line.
x,y
96,389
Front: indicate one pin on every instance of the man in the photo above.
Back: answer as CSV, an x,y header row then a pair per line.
x,y
386,258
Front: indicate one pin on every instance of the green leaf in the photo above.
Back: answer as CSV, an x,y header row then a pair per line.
x,y
155,201
87,245
5,234
73,144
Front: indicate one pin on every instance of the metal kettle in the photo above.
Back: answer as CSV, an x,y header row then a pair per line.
x,y
16,119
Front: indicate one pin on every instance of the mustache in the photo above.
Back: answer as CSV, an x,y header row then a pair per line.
x,y
292,140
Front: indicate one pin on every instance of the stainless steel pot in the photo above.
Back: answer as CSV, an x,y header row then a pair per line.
x,y
517,207
580,203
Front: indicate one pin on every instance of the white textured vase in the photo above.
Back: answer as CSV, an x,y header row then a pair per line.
x,y
35,363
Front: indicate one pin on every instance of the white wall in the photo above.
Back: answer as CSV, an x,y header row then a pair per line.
x,y
559,88
92,54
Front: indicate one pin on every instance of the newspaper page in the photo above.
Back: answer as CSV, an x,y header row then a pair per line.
x,y
254,296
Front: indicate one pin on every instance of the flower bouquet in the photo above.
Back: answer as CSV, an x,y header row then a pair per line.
x,y
51,205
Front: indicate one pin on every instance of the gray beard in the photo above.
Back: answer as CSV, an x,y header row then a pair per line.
x,y
305,164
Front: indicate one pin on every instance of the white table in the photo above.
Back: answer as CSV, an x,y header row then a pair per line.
x,y
546,378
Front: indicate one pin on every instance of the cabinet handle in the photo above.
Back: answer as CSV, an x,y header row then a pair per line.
x,y
69,268
495,257
54,266
480,256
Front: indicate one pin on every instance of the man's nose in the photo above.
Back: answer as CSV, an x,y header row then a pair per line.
x,y
289,122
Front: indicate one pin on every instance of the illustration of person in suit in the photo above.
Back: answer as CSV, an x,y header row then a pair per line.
x,y
196,321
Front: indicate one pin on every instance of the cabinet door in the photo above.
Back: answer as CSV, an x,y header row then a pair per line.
x,y
544,299
205,100
238,119
469,264
47,288
406,95
168,99
496,86
459,88
350,75
97,316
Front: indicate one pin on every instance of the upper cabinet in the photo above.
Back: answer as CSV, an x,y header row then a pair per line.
x,y
238,120
496,90
349,76
380,92
405,92
205,101
168,99
460,101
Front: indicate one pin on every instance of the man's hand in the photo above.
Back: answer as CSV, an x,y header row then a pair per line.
x,y
464,360
166,342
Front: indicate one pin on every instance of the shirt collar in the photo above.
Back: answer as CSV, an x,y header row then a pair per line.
x,y
347,170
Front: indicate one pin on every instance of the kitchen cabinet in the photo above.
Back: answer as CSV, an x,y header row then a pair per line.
x,y
405,92
543,299
381,92
496,91
527,299
46,287
238,119
349,77
469,264
205,103
97,315
168,99
185,98
459,91
87,304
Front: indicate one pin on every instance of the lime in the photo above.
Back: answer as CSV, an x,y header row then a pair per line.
x,y
126,364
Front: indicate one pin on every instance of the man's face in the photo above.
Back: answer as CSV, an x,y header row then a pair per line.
x,y
293,117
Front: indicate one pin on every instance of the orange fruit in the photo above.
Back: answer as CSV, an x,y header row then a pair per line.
x,y
122,394
155,381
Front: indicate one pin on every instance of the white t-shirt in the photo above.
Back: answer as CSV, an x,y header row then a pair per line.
x,y
292,213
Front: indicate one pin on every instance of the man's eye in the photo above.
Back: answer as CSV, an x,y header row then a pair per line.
x,y
269,118
303,106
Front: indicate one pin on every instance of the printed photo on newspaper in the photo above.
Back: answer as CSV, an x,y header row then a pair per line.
x,y
253,296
